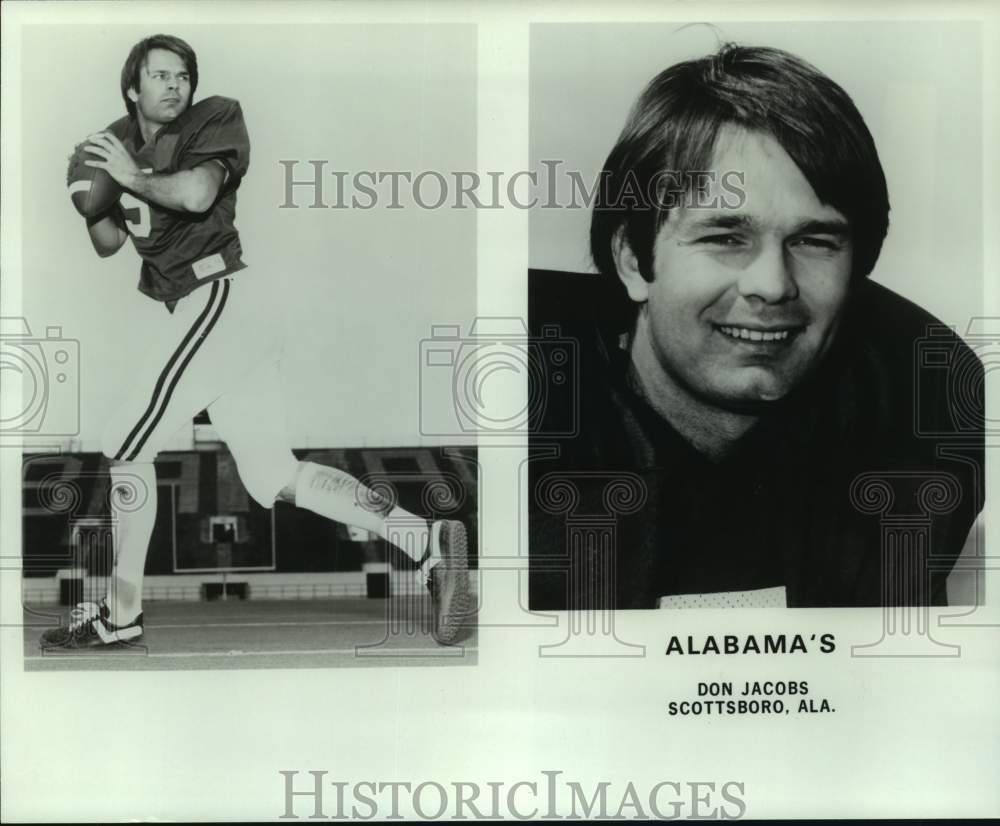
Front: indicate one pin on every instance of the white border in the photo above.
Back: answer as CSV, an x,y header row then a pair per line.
x,y
909,738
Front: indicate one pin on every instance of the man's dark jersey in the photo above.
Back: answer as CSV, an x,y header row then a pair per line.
x,y
858,489
180,250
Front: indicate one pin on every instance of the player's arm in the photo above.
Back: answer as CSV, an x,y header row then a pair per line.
x,y
190,190
107,233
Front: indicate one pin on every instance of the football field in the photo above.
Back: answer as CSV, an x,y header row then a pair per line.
x,y
183,635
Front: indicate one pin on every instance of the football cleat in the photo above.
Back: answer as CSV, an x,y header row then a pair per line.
x,y
88,627
448,580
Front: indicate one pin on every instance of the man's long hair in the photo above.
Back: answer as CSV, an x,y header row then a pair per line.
x,y
673,127
136,59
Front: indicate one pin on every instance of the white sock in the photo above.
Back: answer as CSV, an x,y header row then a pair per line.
x,y
435,555
133,508
339,496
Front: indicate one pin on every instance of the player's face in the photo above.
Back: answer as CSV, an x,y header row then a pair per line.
x,y
745,300
164,87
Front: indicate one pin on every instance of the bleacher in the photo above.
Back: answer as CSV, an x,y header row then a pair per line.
x,y
278,553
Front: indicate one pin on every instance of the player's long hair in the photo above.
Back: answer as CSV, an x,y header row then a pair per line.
x,y
671,134
137,59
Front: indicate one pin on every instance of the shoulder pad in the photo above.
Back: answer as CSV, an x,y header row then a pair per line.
x,y
205,110
120,128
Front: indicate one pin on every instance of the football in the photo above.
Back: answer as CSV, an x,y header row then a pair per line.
x,y
92,190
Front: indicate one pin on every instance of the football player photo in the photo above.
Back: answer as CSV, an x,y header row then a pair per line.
x,y
759,420
166,179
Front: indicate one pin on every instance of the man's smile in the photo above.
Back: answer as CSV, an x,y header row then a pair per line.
x,y
759,334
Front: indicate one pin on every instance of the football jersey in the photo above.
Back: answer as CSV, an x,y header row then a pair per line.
x,y
181,250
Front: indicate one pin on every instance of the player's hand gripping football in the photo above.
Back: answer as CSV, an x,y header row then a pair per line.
x,y
117,161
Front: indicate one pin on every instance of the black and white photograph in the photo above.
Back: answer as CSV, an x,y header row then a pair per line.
x,y
774,402
225,465
381,379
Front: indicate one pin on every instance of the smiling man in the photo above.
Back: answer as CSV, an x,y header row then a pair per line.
x,y
742,303
740,375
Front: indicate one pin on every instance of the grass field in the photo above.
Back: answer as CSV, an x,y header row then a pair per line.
x,y
332,633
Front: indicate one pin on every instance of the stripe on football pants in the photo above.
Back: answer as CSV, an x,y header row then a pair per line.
x,y
171,374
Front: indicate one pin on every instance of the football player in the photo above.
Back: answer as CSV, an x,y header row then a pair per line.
x,y
180,164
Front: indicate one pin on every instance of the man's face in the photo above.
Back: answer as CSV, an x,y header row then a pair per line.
x,y
164,87
746,300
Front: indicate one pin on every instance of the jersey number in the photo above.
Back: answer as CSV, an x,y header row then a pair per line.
x,y
136,213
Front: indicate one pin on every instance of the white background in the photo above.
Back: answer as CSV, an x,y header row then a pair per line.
x,y
355,290
910,737
917,85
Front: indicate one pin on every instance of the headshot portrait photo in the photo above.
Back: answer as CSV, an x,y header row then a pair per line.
x,y
758,256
